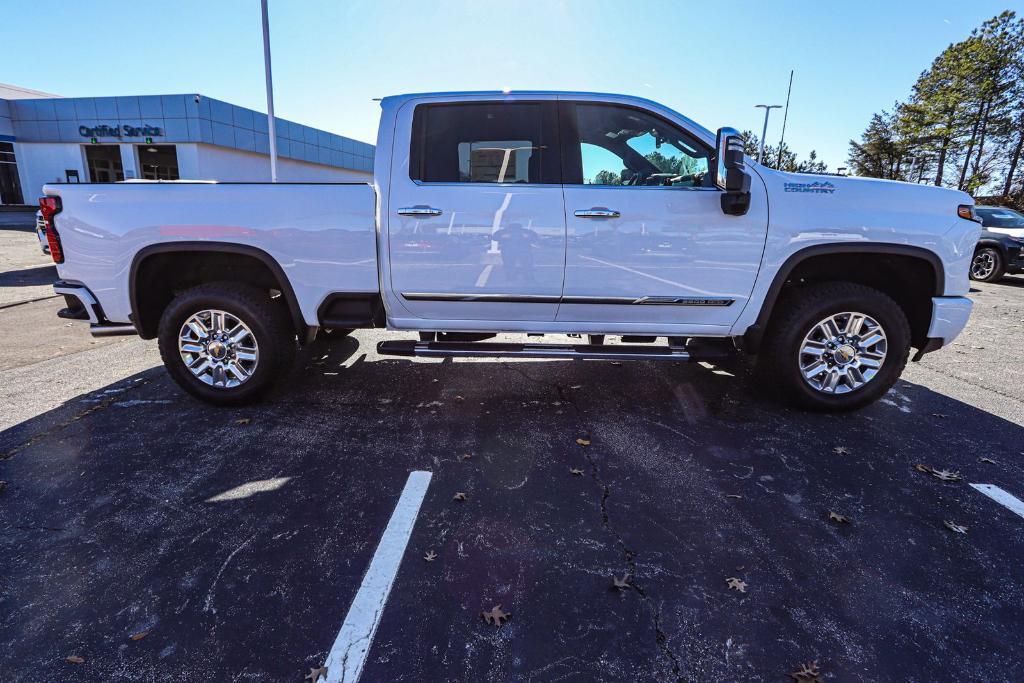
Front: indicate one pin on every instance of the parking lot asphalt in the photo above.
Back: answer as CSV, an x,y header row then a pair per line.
x,y
157,538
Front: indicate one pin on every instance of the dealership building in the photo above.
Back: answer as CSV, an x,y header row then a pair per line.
x,y
47,139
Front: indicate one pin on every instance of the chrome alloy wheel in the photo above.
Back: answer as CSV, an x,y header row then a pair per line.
x,y
842,353
983,265
218,348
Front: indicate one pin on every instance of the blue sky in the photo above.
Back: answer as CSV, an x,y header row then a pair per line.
x,y
332,58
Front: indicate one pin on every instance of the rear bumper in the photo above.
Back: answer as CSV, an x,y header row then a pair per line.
x,y
82,305
949,317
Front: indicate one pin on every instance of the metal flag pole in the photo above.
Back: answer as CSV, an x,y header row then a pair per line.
x,y
270,93
785,115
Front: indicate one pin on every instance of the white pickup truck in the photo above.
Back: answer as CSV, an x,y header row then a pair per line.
x,y
530,212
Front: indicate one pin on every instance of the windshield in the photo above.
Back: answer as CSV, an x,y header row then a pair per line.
x,y
1000,218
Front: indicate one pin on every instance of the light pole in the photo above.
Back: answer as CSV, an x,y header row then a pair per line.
x,y
764,131
270,93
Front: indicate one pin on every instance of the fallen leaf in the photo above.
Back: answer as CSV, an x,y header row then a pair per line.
x,y
990,461
623,583
583,442
467,456
836,517
459,398
459,496
939,415
841,450
736,584
140,635
953,526
430,556
243,421
495,616
807,673
75,659
576,472
314,675
946,475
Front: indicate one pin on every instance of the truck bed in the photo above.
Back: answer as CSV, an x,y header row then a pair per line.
x,y
323,235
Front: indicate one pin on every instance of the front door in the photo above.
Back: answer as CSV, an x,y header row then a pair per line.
x,y
648,242
476,226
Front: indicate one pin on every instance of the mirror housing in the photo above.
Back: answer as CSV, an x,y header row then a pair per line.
x,y
731,172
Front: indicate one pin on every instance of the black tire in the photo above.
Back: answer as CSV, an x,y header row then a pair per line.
x,y
987,265
799,313
268,321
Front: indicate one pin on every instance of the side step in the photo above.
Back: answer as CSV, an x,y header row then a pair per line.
x,y
500,350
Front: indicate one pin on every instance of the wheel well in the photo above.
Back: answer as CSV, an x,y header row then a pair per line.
x,y
158,275
995,244
911,281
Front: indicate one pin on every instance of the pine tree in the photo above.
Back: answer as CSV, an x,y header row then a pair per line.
x,y
964,119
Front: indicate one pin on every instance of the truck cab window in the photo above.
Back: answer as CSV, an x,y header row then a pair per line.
x,y
626,146
492,142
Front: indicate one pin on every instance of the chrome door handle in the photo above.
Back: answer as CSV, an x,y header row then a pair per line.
x,y
596,213
419,211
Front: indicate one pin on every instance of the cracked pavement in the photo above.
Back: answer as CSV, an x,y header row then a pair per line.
x,y
237,548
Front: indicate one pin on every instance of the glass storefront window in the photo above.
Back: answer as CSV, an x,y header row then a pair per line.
x,y
10,186
104,163
158,162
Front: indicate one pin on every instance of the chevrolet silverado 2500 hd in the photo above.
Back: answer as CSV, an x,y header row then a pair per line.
x,y
532,212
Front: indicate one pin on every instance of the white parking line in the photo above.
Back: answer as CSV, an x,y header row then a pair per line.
x,y
348,654
1000,496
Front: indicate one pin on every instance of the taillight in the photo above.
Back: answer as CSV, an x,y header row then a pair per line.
x,y
50,207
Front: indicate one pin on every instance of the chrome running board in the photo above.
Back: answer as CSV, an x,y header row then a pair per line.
x,y
500,350
112,329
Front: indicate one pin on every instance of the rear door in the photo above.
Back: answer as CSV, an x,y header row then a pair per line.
x,y
476,223
647,239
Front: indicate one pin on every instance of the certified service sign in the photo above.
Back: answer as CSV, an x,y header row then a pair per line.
x,y
105,131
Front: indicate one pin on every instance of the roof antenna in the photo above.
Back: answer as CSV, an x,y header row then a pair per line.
x,y
785,115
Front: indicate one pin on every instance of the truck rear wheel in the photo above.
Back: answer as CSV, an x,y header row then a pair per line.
x,y
225,343
835,346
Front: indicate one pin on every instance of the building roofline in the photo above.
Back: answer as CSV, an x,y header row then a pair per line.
x,y
28,93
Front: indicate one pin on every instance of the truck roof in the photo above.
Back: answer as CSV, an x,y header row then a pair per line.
x,y
397,100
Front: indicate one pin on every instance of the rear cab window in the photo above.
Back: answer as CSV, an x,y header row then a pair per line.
x,y
486,142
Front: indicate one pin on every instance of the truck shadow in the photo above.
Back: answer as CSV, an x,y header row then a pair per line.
x,y
339,371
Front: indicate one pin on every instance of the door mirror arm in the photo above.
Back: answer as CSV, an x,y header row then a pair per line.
x,y
731,172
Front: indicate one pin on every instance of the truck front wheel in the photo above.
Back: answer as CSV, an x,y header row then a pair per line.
x,y
225,343
835,346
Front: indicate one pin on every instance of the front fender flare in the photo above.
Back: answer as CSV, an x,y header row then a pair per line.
x,y
754,334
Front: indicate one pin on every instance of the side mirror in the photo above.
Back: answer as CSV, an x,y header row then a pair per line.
x,y
731,173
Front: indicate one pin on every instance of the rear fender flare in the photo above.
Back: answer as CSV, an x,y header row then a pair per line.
x,y
301,328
